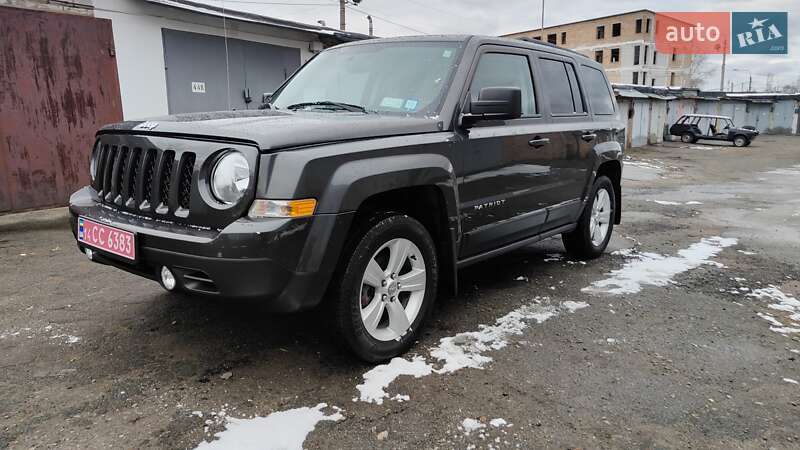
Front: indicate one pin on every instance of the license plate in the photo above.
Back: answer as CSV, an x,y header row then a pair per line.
x,y
103,237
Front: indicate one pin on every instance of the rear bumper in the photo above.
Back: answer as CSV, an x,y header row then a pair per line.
x,y
285,264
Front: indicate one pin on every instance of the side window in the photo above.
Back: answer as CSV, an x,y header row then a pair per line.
x,y
505,70
597,91
561,85
577,98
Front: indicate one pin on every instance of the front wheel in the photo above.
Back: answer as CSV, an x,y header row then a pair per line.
x,y
740,141
387,289
590,238
688,138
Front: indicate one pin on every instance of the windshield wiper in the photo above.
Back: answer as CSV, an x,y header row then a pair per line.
x,y
339,105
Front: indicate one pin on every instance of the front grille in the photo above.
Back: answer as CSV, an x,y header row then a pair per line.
x,y
142,179
160,178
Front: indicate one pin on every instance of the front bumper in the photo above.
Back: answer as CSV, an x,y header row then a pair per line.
x,y
284,263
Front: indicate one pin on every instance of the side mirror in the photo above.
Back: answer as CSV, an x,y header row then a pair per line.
x,y
266,97
494,103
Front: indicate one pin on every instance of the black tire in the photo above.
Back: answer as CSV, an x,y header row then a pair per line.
x,y
579,241
688,138
346,290
741,141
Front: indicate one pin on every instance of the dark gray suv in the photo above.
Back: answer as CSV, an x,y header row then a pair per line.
x,y
377,171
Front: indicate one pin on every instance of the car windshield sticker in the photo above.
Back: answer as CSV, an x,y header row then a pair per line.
x,y
391,102
447,53
411,105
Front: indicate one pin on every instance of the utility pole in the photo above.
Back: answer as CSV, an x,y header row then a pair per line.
x,y
722,76
341,14
369,18
543,18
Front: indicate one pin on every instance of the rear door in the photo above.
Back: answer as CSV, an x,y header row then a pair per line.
x,y
504,164
570,124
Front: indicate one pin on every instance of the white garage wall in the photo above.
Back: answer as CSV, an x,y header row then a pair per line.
x,y
140,50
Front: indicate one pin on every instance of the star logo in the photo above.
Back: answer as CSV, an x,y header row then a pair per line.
x,y
757,23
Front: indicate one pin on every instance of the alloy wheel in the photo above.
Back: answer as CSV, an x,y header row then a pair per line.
x,y
392,289
601,217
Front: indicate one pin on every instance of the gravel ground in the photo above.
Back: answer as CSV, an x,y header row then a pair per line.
x,y
91,357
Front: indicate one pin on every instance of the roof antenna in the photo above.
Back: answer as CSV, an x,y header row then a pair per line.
x,y
227,66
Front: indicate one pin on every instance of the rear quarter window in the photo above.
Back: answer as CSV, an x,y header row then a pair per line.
x,y
597,90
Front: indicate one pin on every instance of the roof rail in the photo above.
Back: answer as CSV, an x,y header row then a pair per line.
x,y
547,44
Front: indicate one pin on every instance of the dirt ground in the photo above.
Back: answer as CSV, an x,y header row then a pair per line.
x,y
91,357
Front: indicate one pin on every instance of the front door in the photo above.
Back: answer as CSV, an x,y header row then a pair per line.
x,y
504,164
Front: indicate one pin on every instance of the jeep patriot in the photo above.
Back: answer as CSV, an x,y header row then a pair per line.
x,y
370,177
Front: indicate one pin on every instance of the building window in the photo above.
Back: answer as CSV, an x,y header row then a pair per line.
x,y
635,77
647,27
601,32
673,55
538,38
655,55
652,82
563,37
644,78
636,51
551,38
638,26
598,56
616,29
646,52
672,78
614,55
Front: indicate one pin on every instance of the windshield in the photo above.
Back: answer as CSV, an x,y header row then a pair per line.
x,y
394,77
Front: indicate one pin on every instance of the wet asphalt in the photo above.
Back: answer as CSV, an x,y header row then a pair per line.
x,y
91,357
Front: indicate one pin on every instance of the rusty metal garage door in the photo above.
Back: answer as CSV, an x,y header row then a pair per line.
x,y
58,84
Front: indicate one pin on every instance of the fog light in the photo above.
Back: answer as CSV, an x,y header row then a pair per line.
x,y
89,253
167,278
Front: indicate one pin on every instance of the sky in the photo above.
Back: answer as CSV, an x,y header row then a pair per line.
x,y
496,17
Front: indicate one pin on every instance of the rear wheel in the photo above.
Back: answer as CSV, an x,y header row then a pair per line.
x,y
387,288
596,223
740,141
688,138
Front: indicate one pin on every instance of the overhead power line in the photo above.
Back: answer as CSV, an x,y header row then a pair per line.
x,y
365,12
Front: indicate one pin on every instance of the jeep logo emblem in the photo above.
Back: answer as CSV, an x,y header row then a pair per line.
x,y
146,126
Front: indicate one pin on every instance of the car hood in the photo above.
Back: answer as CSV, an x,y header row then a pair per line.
x,y
273,130
743,130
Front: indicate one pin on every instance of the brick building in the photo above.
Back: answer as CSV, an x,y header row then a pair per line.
x,y
623,43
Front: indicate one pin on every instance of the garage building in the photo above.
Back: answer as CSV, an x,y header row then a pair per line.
x,y
177,56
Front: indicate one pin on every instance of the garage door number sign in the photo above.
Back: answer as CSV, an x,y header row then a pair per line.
x,y
199,87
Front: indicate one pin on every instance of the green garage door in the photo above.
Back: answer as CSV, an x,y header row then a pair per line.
x,y
196,75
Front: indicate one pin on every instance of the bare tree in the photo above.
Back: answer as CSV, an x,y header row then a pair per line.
x,y
697,72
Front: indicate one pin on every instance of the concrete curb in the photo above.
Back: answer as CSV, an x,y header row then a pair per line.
x,y
43,219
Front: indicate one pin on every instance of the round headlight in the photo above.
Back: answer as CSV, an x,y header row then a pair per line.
x,y
230,178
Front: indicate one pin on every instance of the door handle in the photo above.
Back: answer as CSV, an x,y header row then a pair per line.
x,y
538,142
589,137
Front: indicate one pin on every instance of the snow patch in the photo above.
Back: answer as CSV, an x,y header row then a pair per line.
x,y
279,430
463,350
658,270
379,377
571,306
499,422
780,302
791,381
467,349
671,203
469,425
